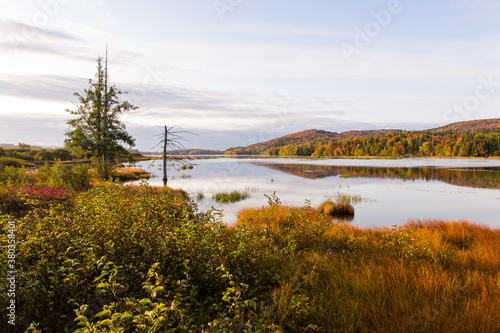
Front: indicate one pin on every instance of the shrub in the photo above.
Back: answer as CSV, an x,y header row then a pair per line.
x,y
337,208
12,161
60,175
96,257
15,176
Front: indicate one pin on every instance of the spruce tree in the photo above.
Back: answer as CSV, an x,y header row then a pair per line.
x,y
96,128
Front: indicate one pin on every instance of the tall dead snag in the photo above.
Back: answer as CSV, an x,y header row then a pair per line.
x,y
165,146
171,139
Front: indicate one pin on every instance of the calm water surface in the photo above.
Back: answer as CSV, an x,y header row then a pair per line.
x,y
392,191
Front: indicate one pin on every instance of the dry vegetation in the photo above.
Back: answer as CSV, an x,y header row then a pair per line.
x,y
126,174
426,276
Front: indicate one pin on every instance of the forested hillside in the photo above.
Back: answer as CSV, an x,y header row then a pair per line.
x,y
478,138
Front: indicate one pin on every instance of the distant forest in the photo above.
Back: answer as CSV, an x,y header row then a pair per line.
x,y
449,143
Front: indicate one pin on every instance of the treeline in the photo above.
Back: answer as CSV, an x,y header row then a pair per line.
x,y
25,153
405,143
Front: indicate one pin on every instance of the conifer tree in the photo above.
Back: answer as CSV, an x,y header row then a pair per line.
x,y
97,129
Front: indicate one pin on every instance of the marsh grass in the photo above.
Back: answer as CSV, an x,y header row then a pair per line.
x,y
230,197
336,208
200,196
129,174
348,198
253,189
423,276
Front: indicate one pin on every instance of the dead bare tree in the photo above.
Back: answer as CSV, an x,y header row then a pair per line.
x,y
171,140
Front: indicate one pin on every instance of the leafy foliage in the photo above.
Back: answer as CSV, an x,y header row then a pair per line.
x,y
97,128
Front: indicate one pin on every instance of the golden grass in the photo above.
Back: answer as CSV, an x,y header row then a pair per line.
x,y
336,208
126,174
426,276
177,191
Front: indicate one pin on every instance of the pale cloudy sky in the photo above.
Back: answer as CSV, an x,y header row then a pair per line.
x,y
241,71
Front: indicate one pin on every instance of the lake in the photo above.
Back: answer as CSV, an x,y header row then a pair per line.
x,y
393,191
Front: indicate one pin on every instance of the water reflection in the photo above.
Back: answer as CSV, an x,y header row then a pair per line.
x,y
443,189
482,177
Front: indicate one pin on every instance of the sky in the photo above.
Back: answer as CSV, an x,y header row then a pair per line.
x,y
237,72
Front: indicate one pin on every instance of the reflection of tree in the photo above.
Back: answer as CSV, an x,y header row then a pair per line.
x,y
469,177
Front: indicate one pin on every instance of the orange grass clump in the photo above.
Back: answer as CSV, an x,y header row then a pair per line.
x,y
130,173
337,208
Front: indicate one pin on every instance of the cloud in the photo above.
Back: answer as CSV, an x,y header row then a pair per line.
x,y
49,130
295,31
19,36
40,130
199,108
41,87
23,30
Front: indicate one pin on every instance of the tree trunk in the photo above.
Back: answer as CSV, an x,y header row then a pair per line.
x,y
165,158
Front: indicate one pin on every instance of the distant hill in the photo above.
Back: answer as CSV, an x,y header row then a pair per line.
x,y
302,137
385,142
471,125
307,137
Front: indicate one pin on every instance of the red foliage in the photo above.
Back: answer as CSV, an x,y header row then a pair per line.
x,y
35,192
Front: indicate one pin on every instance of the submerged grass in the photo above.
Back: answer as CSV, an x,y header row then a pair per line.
x,y
230,197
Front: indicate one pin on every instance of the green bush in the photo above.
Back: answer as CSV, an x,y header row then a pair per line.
x,y
11,161
15,176
97,255
59,175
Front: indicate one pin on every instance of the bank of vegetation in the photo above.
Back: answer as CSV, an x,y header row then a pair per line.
x,y
29,156
94,256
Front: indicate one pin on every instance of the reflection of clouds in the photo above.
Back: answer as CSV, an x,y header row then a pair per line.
x,y
386,208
